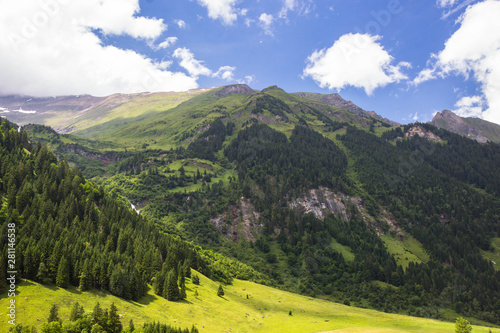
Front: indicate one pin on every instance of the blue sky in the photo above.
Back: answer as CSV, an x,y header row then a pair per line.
x,y
404,59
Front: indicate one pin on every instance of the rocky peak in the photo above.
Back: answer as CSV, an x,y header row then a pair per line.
x,y
234,89
453,123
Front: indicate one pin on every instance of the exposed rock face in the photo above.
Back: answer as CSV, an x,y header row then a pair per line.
x,y
423,133
322,202
453,123
239,222
234,89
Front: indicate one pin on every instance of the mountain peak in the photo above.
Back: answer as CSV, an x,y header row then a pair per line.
x,y
275,87
473,128
234,89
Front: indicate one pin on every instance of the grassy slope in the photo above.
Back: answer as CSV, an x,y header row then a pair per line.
x,y
266,310
495,254
406,251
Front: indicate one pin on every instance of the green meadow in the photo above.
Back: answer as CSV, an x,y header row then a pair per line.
x,y
265,310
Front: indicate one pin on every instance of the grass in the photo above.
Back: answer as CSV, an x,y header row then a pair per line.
x,y
406,251
495,254
345,250
265,310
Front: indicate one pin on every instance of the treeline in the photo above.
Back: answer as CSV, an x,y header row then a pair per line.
x,y
273,105
210,141
69,232
451,219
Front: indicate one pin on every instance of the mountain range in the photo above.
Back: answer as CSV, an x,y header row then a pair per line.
x,y
304,192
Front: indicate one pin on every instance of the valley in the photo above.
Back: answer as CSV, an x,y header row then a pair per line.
x,y
305,193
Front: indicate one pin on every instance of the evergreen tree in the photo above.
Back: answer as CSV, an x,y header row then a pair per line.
x,y
43,274
114,324
77,312
131,326
85,276
62,278
172,289
97,314
462,326
196,279
182,284
53,314
220,291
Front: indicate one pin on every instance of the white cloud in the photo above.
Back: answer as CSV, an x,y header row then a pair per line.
x,y
248,22
445,3
469,106
180,23
225,73
415,117
49,48
221,9
287,6
473,50
266,20
167,43
194,67
354,60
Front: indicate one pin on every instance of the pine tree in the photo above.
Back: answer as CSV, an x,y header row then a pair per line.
x,y
196,279
85,278
171,292
195,293
43,274
53,314
131,326
97,314
220,291
62,278
114,324
182,284
77,312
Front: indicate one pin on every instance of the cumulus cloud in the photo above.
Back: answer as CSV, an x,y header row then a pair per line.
x,y
180,23
194,67
225,73
356,60
51,48
469,106
266,20
167,43
473,51
221,9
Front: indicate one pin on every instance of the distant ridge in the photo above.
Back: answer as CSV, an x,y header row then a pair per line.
x,y
337,101
473,128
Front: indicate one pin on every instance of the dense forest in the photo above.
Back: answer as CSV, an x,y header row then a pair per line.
x,y
69,232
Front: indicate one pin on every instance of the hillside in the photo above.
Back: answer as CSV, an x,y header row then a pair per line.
x,y
473,128
68,114
265,310
315,199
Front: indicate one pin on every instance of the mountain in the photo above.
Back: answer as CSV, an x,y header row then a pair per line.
x,y
290,191
474,128
337,101
68,114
